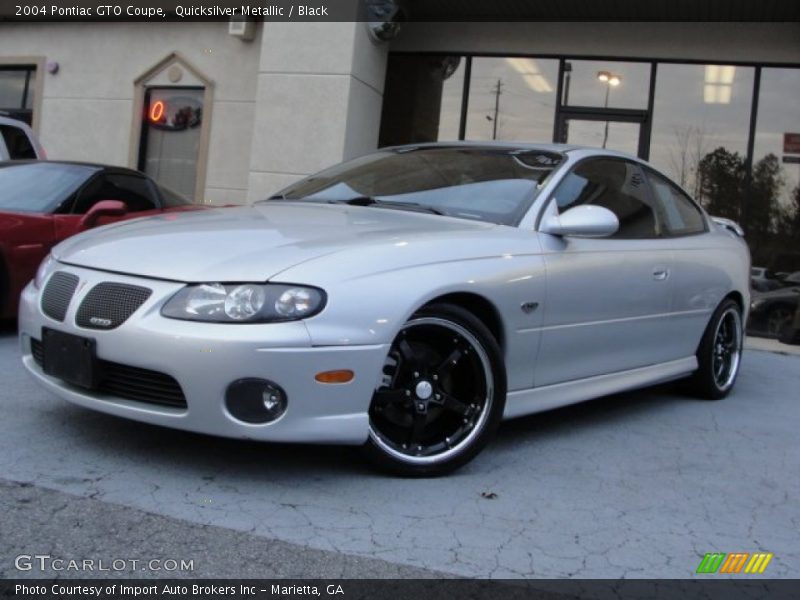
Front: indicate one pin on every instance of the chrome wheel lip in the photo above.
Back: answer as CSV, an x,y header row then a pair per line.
x,y
412,459
727,358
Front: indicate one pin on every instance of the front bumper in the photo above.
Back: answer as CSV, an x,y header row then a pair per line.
x,y
205,358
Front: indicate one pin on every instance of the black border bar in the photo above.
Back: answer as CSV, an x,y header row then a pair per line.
x,y
711,588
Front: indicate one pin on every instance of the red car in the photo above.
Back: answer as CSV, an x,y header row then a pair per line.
x,y
44,202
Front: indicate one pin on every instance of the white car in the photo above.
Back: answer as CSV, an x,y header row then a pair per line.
x,y
18,141
405,301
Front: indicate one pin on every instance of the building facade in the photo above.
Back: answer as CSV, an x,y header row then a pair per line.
x,y
229,119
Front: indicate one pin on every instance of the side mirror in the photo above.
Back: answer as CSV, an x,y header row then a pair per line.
x,y
104,208
585,220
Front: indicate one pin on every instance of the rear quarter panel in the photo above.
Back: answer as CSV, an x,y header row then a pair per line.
x,y
707,268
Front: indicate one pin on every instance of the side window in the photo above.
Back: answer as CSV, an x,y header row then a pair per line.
x,y
130,189
617,185
17,142
681,216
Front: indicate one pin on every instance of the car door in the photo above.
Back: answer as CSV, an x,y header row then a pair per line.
x,y
607,298
698,275
134,190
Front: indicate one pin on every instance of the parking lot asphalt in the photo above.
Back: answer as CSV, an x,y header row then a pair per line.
x,y
637,485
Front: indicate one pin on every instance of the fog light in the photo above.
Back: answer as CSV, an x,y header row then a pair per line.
x,y
339,376
255,400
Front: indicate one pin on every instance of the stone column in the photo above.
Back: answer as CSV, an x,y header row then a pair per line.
x,y
318,102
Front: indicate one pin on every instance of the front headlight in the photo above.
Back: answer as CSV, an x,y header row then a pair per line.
x,y
244,303
43,272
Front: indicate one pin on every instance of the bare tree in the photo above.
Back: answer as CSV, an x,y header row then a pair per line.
x,y
679,155
698,151
689,148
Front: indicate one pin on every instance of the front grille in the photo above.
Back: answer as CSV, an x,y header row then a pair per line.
x,y
38,351
108,305
57,294
131,383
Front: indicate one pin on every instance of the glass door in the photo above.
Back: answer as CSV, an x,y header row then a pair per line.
x,y
602,132
605,104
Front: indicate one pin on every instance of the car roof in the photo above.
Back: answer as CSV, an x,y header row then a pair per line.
x,y
96,166
534,146
7,120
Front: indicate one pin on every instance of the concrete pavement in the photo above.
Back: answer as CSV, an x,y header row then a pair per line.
x,y
635,485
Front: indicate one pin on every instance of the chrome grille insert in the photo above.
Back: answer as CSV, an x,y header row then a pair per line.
x,y
108,305
58,293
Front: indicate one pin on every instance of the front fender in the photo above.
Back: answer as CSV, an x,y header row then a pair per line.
x,y
371,309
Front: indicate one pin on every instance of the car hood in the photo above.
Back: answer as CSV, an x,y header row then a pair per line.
x,y
252,243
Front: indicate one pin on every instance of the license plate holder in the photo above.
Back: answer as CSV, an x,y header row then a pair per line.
x,y
69,357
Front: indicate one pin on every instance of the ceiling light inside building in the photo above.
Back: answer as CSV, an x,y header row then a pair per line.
x,y
531,74
718,85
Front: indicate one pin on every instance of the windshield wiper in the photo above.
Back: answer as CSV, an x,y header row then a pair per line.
x,y
370,201
366,201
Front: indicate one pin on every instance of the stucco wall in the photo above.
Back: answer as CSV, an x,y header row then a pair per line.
x,y
87,107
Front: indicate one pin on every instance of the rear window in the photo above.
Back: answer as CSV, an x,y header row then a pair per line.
x,y
39,187
17,142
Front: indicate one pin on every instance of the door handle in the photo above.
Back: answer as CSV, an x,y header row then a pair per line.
x,y
660,273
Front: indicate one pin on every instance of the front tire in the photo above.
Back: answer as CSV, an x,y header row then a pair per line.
x,y
719,354
442,396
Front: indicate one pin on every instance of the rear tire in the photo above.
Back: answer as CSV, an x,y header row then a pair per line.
x,y
719,354
442,397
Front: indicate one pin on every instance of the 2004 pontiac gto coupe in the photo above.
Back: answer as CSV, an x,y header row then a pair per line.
x,y
406,301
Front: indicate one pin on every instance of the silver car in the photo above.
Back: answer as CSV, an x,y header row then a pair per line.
x,y
406,301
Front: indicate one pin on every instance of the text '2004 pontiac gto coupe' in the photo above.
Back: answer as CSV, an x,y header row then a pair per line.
x,y
407,301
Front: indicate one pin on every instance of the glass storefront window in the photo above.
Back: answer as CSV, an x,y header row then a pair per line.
x,y
171,137
773,211
614,135
523,110
16,92
452,92
600,84
701,118
12,88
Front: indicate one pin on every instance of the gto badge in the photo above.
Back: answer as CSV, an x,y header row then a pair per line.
x,y
100,322
529,307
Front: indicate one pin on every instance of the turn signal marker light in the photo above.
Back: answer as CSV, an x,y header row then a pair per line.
x,y
339,376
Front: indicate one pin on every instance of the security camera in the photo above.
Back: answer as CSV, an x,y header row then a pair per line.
x,y
383,19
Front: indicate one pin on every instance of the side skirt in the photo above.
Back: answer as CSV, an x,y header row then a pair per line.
x,y
527,402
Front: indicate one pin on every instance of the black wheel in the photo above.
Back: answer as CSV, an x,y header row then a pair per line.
x,y
442,395
719,353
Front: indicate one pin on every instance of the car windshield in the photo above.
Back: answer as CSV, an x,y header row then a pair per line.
x,y
39,187
494,184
